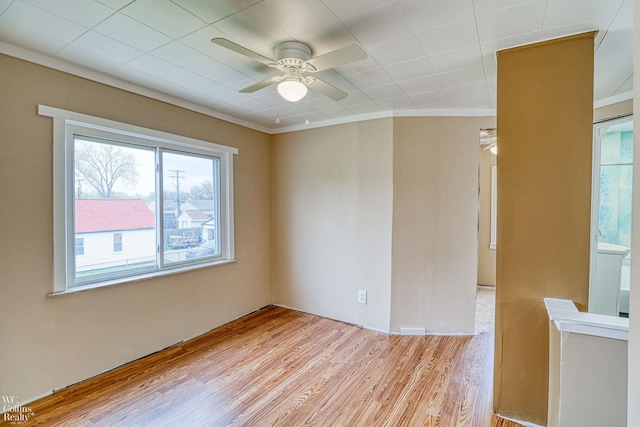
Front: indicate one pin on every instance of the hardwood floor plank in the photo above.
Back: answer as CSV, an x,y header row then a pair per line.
x,y
279,367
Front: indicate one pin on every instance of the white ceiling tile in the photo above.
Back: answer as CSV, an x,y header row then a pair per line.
x,y
379,24
115,4
564,12
487,6
171,73
614,50
296,16
396,50
30,27
380,93
422,84
454,35
410,70
480,101
87,59
621,28
211,11
466,57
336,113
429,98
396,103
226,94
199,63
105,53
4,4
490,48
366,108
253,29
83,12
612,74
165,16
462,77
326,38
520,19
466,91
131,32
371,78
426,14
342,8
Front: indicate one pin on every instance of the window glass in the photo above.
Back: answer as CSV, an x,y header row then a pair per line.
x,y
188,195
114,184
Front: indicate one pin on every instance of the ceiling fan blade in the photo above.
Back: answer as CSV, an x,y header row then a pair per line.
x,y
344,55
327,90
262,84
242,50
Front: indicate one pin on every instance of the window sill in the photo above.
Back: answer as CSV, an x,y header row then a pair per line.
x,y
121,280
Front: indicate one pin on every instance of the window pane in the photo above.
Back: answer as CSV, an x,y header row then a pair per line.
x,y
190,207
114,220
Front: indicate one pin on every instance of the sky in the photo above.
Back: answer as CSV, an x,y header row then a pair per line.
x,y
194,170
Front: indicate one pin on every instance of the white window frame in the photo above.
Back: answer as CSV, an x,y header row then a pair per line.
x,y
65,125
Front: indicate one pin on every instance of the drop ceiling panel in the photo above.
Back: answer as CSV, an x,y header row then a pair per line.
x,y
455,35
401,49
466,57
187,58
423,55
378,24
102,53
131,32
565,12
165,16
512,21
427,14
83,12
410,70
29,27
212,11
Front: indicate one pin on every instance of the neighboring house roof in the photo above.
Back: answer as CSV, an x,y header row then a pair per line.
x,y
95,215
201,204
196,215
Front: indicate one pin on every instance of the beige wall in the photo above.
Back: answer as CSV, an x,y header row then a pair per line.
x,y
332,207
388,206
486,255
543,209
49,342
435,222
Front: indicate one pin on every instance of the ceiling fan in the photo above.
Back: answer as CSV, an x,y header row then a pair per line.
x,y
489,140
294,59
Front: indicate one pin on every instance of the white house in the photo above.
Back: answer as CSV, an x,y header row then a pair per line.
x,y
121,231
192,219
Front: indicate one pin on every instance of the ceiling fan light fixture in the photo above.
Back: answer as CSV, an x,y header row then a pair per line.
x,y
292,90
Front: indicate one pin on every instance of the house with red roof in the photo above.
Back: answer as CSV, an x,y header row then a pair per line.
x,y
120,231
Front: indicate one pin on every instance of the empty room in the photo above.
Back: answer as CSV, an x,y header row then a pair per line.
x,y
289,212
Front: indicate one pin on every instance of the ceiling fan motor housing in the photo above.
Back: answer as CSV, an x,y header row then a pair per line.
x,y
293,50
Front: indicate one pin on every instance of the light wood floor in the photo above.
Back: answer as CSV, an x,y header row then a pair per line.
x,y
279,367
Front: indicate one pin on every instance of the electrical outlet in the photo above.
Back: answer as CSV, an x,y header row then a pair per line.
x,y
362,297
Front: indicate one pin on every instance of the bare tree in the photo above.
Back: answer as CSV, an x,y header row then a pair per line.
x,y
202,191
102,165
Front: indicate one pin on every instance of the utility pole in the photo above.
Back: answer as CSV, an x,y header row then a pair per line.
x,y
79,192
177,177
